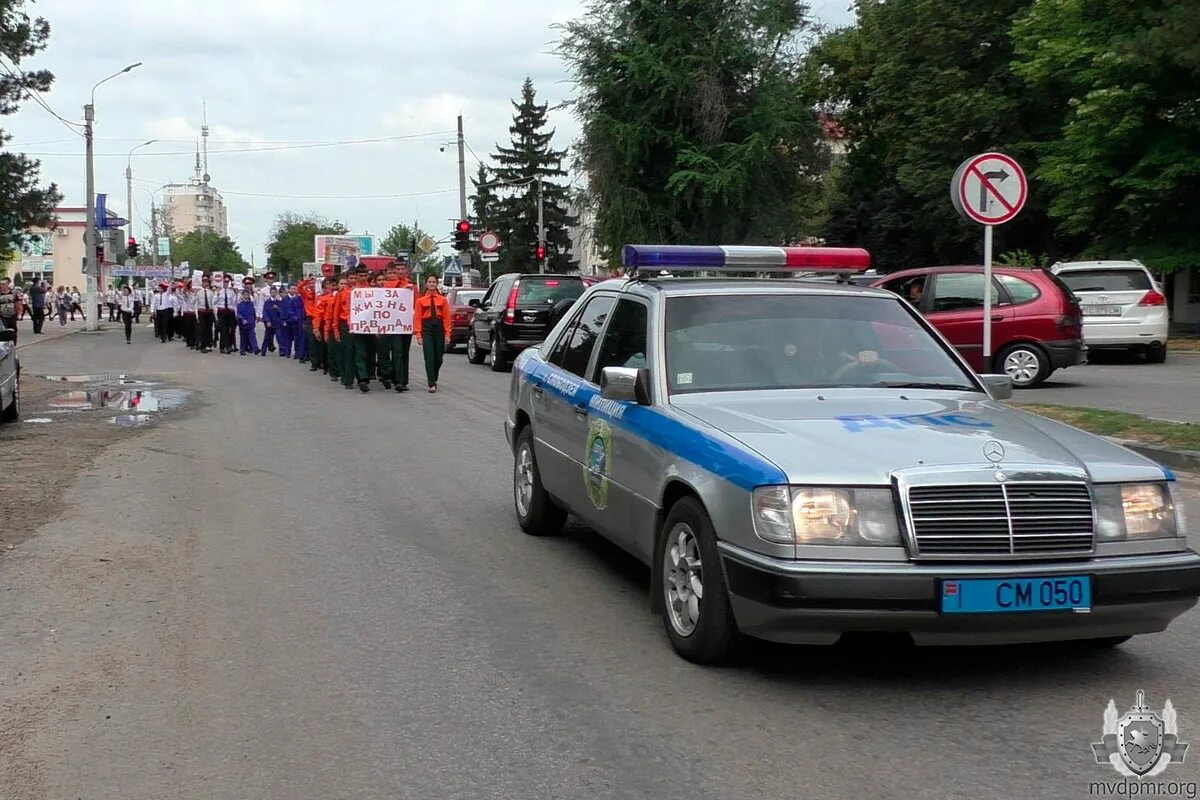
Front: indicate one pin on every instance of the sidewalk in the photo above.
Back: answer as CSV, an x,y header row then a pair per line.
x,y
51,330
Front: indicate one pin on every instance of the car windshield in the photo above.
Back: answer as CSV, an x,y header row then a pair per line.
x,y
792,341
547,292
1106,280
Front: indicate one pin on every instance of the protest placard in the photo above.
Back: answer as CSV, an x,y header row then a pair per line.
x,y
382,311
197,276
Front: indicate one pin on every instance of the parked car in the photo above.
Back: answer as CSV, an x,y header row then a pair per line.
x,y
463,301
1036,321
796,461
10,377
1124,307
516,313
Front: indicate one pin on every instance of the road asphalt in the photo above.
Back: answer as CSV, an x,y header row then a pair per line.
x,y
1113,381
298,592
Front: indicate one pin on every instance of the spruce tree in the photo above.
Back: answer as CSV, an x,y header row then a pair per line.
x,y
518,167
484,203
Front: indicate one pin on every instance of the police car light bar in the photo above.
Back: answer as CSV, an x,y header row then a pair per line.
x,y
678,258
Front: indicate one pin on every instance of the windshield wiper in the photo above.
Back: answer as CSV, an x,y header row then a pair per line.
x,y
958,387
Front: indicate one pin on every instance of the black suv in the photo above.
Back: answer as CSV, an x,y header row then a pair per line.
x,y
517,312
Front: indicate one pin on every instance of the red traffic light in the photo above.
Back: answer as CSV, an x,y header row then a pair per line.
x,y
541,253
464,226
132,241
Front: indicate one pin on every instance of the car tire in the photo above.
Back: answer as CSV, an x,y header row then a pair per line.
x,y
499,357
474,354
695,601
13,412
537,513
1156,353
1026,363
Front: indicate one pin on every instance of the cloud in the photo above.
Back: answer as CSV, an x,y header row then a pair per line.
x,y
280,73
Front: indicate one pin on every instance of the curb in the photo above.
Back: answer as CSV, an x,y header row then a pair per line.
x,y
31,341
1182,460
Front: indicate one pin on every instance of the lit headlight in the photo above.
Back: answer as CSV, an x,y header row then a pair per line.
x,y
1134,511
818,515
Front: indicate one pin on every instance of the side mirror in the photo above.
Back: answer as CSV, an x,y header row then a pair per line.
x,y
626,385
474,302
1000,387
7,335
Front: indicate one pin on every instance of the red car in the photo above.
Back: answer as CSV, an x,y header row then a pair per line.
x,y
462,311
1037,325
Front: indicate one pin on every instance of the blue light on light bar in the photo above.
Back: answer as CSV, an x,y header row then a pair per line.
x,y
662,256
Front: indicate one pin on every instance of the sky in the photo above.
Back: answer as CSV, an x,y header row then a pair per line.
x,y
283,79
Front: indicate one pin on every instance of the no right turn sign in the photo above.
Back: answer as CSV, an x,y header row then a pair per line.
x,y
989,189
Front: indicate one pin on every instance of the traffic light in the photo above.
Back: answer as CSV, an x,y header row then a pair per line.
x,y
541,253
131,249
462,235
99,254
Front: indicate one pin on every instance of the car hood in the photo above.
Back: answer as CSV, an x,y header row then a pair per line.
x,y
853,436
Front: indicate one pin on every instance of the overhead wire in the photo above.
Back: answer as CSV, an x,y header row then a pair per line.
x,y
35,95
308,146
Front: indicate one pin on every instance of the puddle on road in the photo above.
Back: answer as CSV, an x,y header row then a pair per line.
x,y
104,376
113,378
119,400
132,420
38,420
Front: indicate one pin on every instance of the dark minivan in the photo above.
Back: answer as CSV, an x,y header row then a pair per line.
x,y
517,312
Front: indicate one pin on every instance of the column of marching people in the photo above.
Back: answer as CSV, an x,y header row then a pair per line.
x,y
307,322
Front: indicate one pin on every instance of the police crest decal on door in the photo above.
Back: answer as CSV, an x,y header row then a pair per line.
x,y
596,457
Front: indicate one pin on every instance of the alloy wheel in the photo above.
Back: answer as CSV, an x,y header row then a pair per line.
x,y
523,480
683,579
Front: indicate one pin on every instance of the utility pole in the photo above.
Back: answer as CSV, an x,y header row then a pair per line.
x,y
91,267
541,243
462,172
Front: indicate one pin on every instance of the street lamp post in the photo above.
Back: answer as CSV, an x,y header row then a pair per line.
x,y
129,182
92,272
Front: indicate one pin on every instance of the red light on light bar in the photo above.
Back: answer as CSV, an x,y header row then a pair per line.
x,y
842,259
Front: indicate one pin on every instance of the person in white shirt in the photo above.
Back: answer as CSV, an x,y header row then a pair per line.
x,y
186,298
226,302
261,295
125,301
206,314
110,298
164,311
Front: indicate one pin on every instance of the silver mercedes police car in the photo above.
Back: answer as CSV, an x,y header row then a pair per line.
x,y
797,461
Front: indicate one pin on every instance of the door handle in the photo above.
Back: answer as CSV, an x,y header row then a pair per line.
x,y
580,410
998,318
538,390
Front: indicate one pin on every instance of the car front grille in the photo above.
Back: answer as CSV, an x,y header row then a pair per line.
x,y
1014,520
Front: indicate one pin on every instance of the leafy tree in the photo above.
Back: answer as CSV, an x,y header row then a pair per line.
x,y
694,126
398,241
1124,169
206,250
291,244
516,168
23,204
919,86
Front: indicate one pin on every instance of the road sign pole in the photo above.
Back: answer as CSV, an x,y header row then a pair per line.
x,y
987,298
